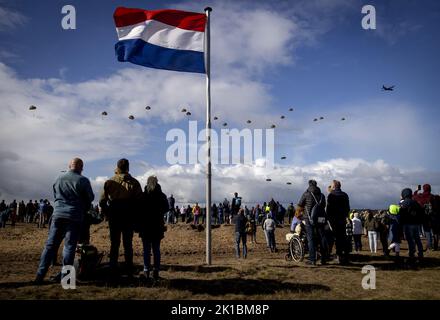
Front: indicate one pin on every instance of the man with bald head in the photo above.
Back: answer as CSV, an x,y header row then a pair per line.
x,y
73,196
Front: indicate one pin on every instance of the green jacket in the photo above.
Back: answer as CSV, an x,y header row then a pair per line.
x,y
121,194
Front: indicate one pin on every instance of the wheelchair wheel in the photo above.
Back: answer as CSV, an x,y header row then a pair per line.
x,y
296,248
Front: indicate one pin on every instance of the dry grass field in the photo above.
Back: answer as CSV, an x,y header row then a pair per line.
x,y
185,276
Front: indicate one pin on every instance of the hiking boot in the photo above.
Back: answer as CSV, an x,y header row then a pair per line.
x,y
144,277
56,278
156,275
39,280
310,263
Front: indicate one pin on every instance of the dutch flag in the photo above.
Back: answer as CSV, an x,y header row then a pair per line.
x,y
162,39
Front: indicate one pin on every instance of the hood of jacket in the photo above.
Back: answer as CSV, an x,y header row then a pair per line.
x,y
406,193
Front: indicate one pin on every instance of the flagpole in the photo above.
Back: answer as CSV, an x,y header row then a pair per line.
x,y
208,134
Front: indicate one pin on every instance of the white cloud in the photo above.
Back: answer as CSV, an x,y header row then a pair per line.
x,y
247,42
67,121
392,32
369,184
386,128
10,19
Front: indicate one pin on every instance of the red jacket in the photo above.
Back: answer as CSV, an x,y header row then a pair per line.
x,y
424,197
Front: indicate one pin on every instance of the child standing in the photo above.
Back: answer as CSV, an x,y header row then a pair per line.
x,y
269,228
394,215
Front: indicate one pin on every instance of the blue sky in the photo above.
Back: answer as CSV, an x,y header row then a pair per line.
x,y
267,56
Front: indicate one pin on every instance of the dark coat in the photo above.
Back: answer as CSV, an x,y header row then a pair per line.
x,y
240,223
307,201
411,212
371,224
426,199
150,222
338,206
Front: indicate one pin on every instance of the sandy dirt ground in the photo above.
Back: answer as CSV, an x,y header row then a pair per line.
x,y
263,275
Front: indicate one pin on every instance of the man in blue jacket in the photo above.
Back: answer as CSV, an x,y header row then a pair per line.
x,y
73,197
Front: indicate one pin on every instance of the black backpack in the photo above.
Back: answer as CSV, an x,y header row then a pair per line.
x,y
87,260
317,216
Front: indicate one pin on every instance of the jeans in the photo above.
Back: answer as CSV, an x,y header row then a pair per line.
x,y
428,235
267,238
196,219
394,235
148,245
240,236
372,240
60,229
383,236
315,235
254,236
357,242
412,235
311,242
271,239
116,229
170,217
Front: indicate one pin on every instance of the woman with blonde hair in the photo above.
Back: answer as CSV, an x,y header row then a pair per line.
x,y
151,224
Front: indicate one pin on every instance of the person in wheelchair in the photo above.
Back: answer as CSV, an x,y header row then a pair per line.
x,y
296,222
297,238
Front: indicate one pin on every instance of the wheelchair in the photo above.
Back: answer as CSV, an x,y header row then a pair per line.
x,y
297,247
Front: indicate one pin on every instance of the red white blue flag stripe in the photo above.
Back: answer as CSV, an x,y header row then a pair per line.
x,y
162,39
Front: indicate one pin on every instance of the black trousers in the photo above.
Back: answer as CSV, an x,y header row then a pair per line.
x,y
118,228
383,235
341,239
